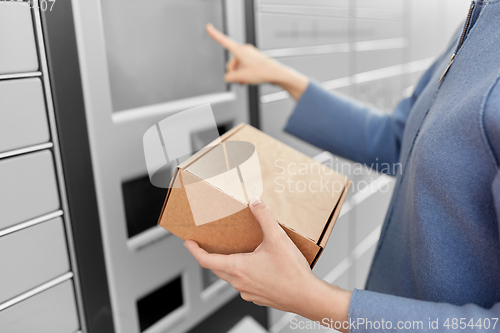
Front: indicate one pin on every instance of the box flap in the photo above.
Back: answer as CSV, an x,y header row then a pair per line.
x,y
335,215
236,233
309,249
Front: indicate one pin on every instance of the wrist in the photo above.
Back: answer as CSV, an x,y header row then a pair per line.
x,y
323,301
293,82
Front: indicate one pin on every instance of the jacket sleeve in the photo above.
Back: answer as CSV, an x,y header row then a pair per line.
x,y
369,309
346,128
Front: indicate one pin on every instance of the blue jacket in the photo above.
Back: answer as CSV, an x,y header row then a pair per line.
x,y
439,252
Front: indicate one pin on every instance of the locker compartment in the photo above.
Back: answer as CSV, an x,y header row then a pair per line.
x,y
371,60
274,117
379,14
325,3
18,51
24,118
367,30
380,9
426,29
159,303
29,188
53,310
305,9
381,4
382,94
362,267
319,67
283,30
31,257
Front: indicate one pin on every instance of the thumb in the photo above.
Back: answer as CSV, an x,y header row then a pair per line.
x,y
265,217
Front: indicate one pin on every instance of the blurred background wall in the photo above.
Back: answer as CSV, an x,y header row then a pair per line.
x,y
81,81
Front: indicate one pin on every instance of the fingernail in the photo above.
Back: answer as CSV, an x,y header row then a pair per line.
x,y
184,244
255,201
209,24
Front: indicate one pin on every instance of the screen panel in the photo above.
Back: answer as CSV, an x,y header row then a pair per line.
x,y
159,303
158,51
143,204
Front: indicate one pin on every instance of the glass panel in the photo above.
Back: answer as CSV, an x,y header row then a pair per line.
x,y
158,51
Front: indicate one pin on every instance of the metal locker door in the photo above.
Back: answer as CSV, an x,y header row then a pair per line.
x,y
144,262
31,257
18,52
53,310
24,119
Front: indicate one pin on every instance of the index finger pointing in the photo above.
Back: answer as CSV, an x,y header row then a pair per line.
x,y
222,39
205,259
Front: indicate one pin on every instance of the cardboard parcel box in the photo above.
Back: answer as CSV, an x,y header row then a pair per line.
x,y
207,200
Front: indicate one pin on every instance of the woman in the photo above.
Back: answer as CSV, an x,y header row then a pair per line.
x,y
438,259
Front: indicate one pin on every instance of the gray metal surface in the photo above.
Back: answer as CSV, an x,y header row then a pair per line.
x,y
29,188
285,30
18,52
24,118
34,242
150,61
322,67
274,117
31,257
51,311
371,60
370,29
117,156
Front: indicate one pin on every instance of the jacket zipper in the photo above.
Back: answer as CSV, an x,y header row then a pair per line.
x,y
462,40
